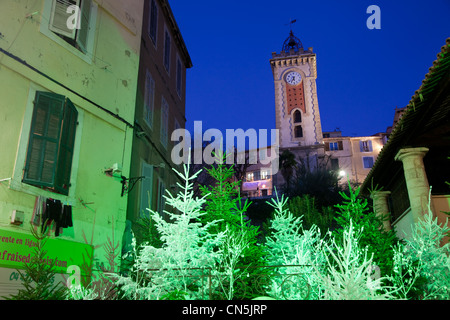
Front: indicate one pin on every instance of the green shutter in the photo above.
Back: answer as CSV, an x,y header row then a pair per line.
x,y
51,144
82,33
42,153
66,146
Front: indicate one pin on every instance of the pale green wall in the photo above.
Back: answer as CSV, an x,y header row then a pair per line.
x,y
101,139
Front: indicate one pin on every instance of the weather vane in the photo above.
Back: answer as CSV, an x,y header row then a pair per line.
x,y
291,22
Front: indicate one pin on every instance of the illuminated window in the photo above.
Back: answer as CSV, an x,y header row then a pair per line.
x,y
51,143
250,176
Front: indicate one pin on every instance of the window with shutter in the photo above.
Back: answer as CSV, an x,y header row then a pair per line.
x,y
334,164
365,146
149,99
61,20
179,77
164,122
368,162
167,51
161,199
51,143
153,21
82,33
146,189
60,15
333,146
66,145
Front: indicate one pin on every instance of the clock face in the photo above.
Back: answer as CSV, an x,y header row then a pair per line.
x,y
293,78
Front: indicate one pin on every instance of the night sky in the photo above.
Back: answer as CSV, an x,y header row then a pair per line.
x,y
362,74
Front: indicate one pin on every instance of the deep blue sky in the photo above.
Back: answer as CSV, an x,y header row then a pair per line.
x,y
362,74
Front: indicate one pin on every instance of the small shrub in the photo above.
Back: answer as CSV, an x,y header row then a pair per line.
x,y
422,264
38,277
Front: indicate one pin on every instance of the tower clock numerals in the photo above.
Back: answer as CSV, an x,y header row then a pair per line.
x,y
293,78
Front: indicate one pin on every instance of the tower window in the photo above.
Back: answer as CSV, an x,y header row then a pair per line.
x,y
297,116
298,131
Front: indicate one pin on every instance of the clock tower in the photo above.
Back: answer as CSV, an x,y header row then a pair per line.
x,y
296,106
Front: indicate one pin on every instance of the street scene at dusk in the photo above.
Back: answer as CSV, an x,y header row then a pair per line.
x,y
238,153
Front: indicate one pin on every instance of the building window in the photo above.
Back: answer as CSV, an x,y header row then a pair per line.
x,y
146,189
297,116
164,122
335,146
249,177
298,131
365,146
334,164
51,143
153,22
65,22
167,50
149,99
179,76
161,199
368,162
264,174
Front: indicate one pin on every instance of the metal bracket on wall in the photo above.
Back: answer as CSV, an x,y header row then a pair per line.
x,y
129,183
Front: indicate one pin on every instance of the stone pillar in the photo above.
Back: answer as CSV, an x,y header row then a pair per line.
x,y
381,207
416,179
